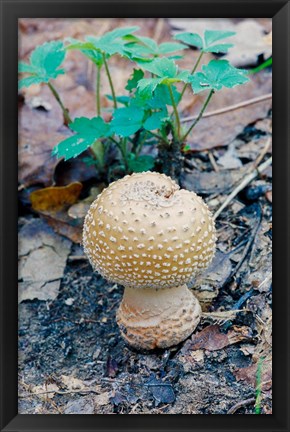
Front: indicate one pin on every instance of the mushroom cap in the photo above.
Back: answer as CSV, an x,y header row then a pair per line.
x,y
143,231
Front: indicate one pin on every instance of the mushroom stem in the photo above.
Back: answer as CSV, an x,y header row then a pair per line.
x,y
157,318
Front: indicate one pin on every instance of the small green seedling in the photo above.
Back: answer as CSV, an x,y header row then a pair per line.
x,y
147,113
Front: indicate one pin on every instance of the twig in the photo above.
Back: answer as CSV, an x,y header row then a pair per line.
x,y
22,396
243,184
240,404
158,29
263,152
230,108
212,161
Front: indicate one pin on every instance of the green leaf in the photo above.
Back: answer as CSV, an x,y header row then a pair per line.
x,y
24,67
141,163
217,74
88,49
190,38
87,132
162,67
47,58
170,47
124,100
212,36
118,33
148,85
208,43
28,81
155,120
44,65
126,121
145,47
219,48
132,83
161,97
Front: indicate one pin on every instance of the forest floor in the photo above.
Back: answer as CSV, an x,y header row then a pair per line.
x,y
72,359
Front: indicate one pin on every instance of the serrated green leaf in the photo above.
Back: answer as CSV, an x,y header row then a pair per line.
x,y
161,97
87,132
217,74
132,83
148,85
208,43
155,120
170,47
28,81
126,121
212,36
88,49
44,65
24,67
219,48
190,38
162,67
47,58
141,163
119,33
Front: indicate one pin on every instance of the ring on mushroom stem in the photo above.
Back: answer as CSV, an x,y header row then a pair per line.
x,y
149,235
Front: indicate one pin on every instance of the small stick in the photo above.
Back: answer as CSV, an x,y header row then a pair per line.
x,y
240,404
212,161
263,153
242,185
59,392
230,107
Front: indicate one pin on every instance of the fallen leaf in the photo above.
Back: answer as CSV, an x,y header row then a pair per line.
x,y
220,317
207,183
249,374
83,405
42,259
161,391
230,160
80,209
72,383
55,198
212,339
49,388
103,399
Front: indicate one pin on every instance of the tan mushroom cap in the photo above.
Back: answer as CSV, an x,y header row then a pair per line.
x,y
143,231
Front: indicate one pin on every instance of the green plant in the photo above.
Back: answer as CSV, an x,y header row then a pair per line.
x,y
148,113
259,386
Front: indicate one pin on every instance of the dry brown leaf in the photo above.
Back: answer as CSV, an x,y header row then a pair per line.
x,y
72,383
48,390
103,399
42,259
79,210
220,317
249,374
212,339
55,198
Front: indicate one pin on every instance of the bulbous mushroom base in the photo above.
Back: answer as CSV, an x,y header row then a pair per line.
x,y
160,318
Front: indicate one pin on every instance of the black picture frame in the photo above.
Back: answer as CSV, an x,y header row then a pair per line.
x,y
11,10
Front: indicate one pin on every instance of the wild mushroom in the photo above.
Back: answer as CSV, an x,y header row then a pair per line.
x,y
149,235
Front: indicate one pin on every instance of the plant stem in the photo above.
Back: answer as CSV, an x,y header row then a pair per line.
x,y
259,386
199,115
161,138
65,111
175,110
110,81
192,72
98,86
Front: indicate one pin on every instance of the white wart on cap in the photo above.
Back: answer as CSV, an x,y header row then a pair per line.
x,y
152,237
